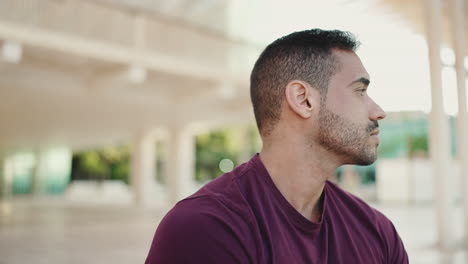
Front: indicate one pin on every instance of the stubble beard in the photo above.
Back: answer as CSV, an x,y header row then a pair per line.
x,y
348,140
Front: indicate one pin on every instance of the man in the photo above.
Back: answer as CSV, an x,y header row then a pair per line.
x,y
309,95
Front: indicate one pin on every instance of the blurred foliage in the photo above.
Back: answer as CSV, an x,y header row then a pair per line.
x,y
417,146
108,163
235,143
92,163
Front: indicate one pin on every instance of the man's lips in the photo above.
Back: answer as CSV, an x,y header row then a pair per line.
x,y
375,132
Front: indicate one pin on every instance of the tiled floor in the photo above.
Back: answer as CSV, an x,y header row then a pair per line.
x,y
36,232
52,231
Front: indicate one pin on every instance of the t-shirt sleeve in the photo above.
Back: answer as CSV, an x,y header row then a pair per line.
x,y
205,233
396,253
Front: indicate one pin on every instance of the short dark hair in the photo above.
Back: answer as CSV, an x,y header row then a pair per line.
x,y
304,55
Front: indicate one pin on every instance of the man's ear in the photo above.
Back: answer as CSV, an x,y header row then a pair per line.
x,y
302,98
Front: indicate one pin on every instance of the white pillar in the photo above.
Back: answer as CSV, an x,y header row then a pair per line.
x,y
51,169
458,23
143,169
439,137
180,164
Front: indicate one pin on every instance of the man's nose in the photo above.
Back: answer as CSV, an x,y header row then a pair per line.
x,y
377,113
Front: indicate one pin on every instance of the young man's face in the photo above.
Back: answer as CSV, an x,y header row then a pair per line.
x,y
348,117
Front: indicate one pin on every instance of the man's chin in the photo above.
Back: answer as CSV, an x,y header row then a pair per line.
x,y
366,163
365,160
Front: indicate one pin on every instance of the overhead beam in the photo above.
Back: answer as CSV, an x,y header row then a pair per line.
x,y
112,53
133,75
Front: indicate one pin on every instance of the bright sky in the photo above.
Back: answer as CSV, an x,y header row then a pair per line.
x,y
395,57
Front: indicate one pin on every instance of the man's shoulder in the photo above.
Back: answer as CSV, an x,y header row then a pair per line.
x,y
214,225
221,200
203,229
219,205
224,190
198,212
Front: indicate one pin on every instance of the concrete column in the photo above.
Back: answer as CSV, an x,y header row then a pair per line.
x,y
143,168
50,169
180,164
458,23
439,136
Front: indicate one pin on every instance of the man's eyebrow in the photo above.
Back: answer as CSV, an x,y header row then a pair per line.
x,y
362,80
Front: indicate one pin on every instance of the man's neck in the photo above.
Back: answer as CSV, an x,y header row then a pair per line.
x,y
300,175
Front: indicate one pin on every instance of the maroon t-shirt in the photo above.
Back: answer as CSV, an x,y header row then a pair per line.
x,y
241,217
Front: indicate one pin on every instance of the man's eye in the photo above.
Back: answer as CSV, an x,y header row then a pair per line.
x,y
361,92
